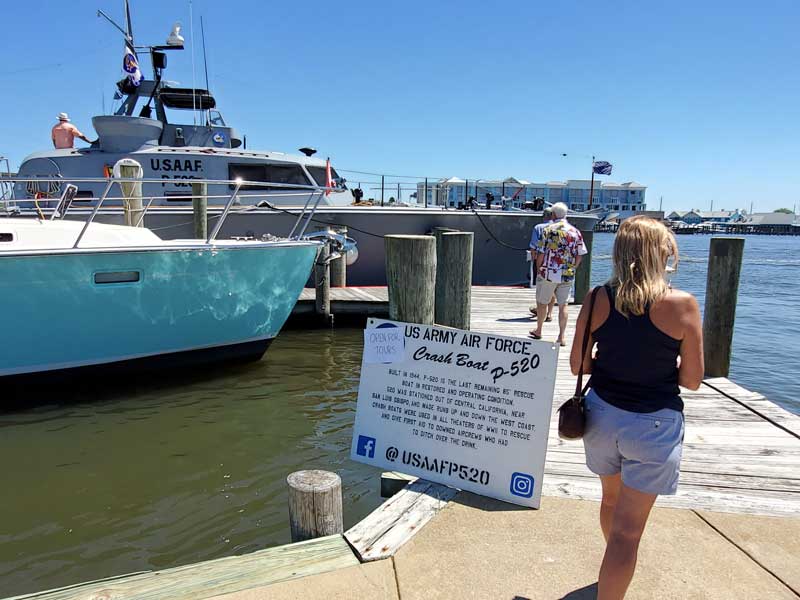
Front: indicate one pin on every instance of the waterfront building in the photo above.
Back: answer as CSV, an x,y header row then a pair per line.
x,y
693,217
766,223
623,198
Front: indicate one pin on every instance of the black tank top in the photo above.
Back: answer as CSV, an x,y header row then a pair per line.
x,y
635,367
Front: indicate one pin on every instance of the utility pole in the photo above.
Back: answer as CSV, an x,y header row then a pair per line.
x,y
660,203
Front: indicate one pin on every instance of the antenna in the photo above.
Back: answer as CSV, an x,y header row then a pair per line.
x,y
191,33
128,23
205,59
100,13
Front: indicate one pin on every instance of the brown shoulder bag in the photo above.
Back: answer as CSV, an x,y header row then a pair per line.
x,y
571,415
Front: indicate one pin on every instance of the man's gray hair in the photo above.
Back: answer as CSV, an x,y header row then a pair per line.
x,y
547,213
559,210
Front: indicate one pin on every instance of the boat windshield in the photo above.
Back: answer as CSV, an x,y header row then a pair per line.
x,y
215,118
318,173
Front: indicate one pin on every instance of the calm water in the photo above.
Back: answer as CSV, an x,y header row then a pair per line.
x,y
159,473
765,355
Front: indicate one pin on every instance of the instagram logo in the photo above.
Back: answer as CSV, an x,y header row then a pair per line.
x,y
522,485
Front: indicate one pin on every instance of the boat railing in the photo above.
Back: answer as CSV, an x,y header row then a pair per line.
x,y
313,195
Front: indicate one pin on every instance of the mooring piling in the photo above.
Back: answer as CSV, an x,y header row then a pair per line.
x,y
322,284
339,265
411,277
722,288
583,274
131,191
200,210
315,504
453,278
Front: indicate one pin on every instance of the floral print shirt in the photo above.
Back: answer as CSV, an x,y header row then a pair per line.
x,y
561,244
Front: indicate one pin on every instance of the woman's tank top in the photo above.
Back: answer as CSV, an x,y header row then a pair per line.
x,y
635,367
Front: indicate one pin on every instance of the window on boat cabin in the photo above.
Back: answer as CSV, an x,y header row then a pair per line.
x,y
318,173
287,173
6,236
215,118
84,196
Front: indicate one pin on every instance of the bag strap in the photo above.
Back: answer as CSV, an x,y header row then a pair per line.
x,y
579,389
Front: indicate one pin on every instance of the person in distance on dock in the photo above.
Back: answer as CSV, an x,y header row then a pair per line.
x,y
649,342
559,252
64,133
547,218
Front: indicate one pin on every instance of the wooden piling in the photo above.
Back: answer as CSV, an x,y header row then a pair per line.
x,y
322,284
411,277
454,278
722,288
437,233
583,275
339,266
315,504
200,210
131,192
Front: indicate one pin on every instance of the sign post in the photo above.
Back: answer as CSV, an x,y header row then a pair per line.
x,y
465,409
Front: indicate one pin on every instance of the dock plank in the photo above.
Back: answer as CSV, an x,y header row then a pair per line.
x,y
397,520
215,577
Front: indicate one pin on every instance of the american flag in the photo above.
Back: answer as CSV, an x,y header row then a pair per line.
x,y
601,167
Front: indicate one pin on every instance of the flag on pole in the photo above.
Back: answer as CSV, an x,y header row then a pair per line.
x,y
328,178
130,64
601,167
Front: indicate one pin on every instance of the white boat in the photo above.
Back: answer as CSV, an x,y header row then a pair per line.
x,y
78,295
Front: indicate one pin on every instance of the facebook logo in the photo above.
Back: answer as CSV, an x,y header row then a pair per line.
x,y
522,485
365,446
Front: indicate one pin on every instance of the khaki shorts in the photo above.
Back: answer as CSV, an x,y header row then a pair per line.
x,y
545,290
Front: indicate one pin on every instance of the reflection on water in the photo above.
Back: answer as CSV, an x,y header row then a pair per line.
x,y
156,472
151,475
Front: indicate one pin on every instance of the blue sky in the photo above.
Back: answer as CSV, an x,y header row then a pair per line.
x,y
697,100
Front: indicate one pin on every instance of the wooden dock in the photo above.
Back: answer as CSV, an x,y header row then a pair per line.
x,y
741,452
350,301
741,455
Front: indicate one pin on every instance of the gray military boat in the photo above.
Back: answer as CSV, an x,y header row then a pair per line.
x,y
148,128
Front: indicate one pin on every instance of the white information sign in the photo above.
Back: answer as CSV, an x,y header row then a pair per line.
x,y
469,410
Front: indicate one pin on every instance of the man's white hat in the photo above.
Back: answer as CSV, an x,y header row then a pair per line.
x,y
63,117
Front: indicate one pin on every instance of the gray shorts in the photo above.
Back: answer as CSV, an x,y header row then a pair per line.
x,y
645,447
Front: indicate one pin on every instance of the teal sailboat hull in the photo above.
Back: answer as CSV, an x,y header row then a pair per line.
x,y
74,308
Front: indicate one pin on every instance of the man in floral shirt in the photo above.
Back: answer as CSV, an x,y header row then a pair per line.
x,y
559,252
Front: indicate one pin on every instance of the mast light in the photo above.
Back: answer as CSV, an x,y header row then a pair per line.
x,y
175,39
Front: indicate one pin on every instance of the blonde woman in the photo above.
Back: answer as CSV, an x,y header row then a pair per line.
x,y
649,341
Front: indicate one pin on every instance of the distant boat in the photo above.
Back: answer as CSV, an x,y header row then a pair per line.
x,y
125,296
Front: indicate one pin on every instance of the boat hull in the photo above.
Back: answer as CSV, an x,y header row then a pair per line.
x,y
207,301
501,237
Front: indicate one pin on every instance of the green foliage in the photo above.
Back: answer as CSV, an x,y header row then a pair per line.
x,y
785,211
